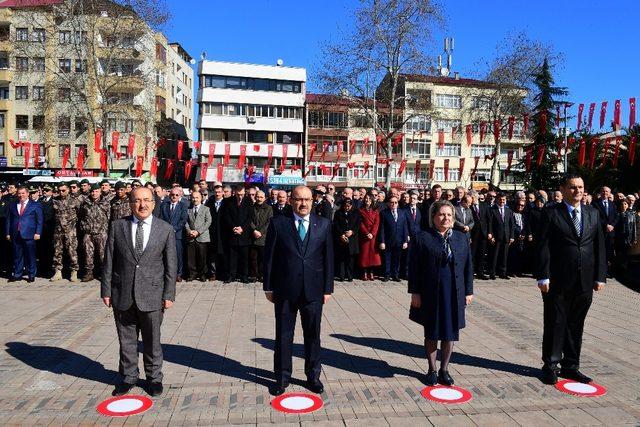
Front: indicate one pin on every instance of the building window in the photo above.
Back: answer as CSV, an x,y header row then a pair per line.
x,y
22,34
22,121
80,37
448,150
2,119
161,103
81,65
22,63
83,147
228,82
38,122
481,150
38,64
4,63
161,53
64,65
64,37
482,176
419,124
420,148
38,92
127,126
454,174
447,124
64,94
22,92
64,126
38,35
327,119
62,148
4,92
481,103
288,138
80,125
444,100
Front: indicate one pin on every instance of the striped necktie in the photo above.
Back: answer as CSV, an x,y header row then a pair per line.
x,y
576,220
139,248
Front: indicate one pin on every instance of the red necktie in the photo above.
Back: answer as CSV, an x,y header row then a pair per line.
x,y
20,212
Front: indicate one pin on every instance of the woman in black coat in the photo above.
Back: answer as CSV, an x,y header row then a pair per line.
x,y
346,223
441,286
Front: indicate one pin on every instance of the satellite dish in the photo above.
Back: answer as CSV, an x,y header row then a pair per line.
x,y
279,62
192,61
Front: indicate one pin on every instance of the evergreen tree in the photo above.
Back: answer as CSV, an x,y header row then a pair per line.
x,y
542,126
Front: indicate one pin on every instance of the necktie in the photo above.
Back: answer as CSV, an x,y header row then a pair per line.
x,y
139,240
576,220
301,230
195,212
502,214
173,206
21,208
395,215
606,208
413,213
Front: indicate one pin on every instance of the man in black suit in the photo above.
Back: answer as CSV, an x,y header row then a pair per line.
x,y
608,221
393,236
298,276
216,253
571,265
175,213
282,207
237,216
479,232
436,194
500,236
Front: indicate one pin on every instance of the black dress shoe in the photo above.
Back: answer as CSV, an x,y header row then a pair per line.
x,y
14,279
278,389
350,279
574,374
492,277
122,389
431,379
315,387
178,279
444,378
505,277
155,388
396,279
549,376
31,279
384,279
483,277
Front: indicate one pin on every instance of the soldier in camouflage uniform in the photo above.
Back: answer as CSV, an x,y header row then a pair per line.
x,y
120,207
65,238
94,223
107,194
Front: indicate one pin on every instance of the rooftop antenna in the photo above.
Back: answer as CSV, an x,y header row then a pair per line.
x,y
203,56
279,62
448,50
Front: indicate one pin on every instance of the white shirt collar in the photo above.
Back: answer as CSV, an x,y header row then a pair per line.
x,y
303,218
146,221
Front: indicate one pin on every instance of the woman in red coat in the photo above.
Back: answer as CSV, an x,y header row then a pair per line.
x,y
370,221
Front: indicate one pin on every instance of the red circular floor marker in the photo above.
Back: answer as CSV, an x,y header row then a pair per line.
x,y
581,389
442,394
297,403
123,406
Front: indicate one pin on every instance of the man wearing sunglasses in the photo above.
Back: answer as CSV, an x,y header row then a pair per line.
x,y
65,237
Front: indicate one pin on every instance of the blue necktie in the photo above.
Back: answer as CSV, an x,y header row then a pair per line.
x,y
301,230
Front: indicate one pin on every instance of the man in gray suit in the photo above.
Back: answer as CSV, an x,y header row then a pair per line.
x,y
139,282
197,231
464,217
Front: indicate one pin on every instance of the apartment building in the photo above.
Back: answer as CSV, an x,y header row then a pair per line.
x,y
251,122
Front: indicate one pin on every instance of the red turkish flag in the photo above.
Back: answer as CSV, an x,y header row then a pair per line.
x,y
256,147
270,154
580,110
497,124
97,140
243,156
570,142
592,152
203,171
219,172
27,154
469,132
461,167
446,169
312,150
528,157
153,170
476,160
212,154
339,150
139,161
592,109
432,167
509,161
397,139
559,145
285,151
352,147
103,160
115,138
483,130
616,114
454,129
603,112
80,160
632,112
334,170
325,147
512,121
605,152
180,149
197,145
227,154
366,168
131,144
416,170
188,166
541,150
582,153
65,157
632,150
441,139
542,122
265,173
616,152
36,156
403,165
249,173
168,173
365,146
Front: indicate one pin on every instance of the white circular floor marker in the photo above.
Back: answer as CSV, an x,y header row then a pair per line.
x,y
442,394
297,403
123,406
581,389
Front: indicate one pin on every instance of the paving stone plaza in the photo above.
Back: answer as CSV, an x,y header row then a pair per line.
x,y
60,359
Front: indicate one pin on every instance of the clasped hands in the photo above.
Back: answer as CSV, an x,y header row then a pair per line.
x,y
272,299
416,300
166,304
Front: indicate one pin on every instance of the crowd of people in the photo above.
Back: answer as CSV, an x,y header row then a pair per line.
x,y
220,230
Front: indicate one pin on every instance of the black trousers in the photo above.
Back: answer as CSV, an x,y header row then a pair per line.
x,y
238,262
564,315
310,314
197,259
499,254
344,266
479,254
128,323
256,261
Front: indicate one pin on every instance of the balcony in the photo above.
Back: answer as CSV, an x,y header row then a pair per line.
x,y
6,75
5,104
128,83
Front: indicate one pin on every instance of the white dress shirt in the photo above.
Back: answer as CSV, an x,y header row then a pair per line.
x,y
146,230
305,221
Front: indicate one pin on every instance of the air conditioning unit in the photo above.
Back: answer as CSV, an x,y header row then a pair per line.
x,y
251,119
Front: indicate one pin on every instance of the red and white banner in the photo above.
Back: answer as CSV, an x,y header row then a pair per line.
x,y
512,121
153,170
592,109
131,144
632,112
97,140
603,113
180,149
80,160
580,110
469,134
446,169
212,154
65,157
461,168
403,165
243,156
139,161
616,114
227,154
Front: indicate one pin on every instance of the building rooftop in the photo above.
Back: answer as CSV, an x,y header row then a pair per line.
x,y
181,51
448,81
